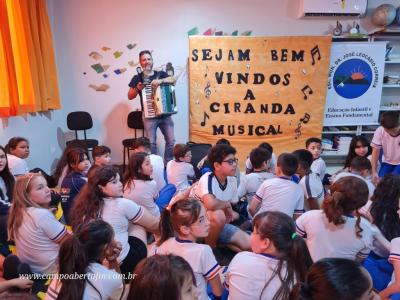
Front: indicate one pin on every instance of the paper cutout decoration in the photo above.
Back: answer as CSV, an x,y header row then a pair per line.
x,y
95,55
132,63
246,33
235,33
102,88
119,71
105,67
131,46
105,48
117,54
193,31
105,75
209,31
98,68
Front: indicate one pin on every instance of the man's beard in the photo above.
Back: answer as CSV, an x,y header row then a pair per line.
x,y
148,68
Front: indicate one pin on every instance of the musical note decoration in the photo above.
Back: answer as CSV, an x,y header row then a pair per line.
x,y
297,131
207,90
207,70
314,52
304,120
308,90
205,117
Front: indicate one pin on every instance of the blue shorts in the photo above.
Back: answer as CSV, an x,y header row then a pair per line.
x,y
227,233
389,169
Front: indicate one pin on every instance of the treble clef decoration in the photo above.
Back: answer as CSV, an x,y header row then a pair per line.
x,y
207,90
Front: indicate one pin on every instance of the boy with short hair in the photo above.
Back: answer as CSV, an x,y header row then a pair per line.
x,y
142,144
360,167
101,156
314,145
387,139
180,170
280,193
272,162
310,182
260,159
218,191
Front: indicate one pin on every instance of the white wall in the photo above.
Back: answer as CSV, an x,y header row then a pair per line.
x,y
82,26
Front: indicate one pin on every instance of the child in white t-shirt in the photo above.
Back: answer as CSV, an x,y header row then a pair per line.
x,y
314,145
17,152
32,226
179,170
142,144
181,225
310,182
393,288
95,243
387,139
359,167
218,191
338,229
260,159
280,193
276,247
139,186
271,164
102,198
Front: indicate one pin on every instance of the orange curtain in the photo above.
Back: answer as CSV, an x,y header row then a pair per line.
x,y
28,74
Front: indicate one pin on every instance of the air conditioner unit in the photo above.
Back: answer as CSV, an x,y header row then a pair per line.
x,y
333,8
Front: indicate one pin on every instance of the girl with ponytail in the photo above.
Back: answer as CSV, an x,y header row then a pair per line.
x,y
82,254
333,279
182,223
280,258
338,229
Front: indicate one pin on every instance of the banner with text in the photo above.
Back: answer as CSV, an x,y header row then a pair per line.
x,y
355,83
251,90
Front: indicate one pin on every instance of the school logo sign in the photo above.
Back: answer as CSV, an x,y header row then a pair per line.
x,y
354,84
352,78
